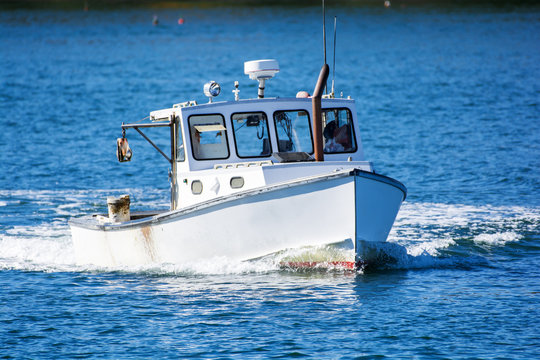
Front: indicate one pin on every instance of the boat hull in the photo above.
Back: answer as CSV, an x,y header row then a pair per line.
x,y
352,207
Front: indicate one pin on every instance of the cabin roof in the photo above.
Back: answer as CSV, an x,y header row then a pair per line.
x,y
260,104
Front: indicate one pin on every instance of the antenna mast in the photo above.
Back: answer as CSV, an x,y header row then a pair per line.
x,y
324,36
324,29
334,65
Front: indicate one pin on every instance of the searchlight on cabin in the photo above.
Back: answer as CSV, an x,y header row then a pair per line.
x,y
211,90
261,70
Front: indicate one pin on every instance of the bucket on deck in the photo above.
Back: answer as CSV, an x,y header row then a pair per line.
x,y
119,208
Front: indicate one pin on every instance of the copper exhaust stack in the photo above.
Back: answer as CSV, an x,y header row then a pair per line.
x,y
317,114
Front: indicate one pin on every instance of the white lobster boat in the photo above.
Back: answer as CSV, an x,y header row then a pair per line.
x,y
253,178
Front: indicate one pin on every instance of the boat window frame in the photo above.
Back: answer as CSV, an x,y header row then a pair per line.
x,y
353,133
226,136
309,124
267,130
180,136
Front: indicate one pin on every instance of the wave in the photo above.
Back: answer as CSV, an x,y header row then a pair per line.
x,y
425,235
431,228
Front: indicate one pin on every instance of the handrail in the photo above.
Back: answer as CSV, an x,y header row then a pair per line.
x,y
146,125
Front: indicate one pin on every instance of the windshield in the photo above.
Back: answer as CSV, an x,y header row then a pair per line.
x,y
293,131
251,134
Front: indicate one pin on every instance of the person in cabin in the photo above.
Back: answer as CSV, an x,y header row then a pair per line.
x,y
337,139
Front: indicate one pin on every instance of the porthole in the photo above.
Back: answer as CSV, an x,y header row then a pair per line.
x,y
237,182
196,187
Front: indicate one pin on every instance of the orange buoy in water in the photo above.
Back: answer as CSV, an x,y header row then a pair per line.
x,y
181,21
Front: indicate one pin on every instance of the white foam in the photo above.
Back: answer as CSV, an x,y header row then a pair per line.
x,y
498,239
430,228
212,266
43,247
429,247
222,265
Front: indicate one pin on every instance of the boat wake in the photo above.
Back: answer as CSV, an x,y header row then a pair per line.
x,y
425,235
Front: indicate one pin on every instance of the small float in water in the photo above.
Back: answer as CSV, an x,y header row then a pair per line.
x,y
251,178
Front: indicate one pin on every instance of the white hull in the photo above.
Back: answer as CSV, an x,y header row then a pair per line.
x,y
354,206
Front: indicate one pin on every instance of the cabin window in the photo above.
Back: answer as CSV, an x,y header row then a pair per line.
x,y
251,134
338,131
180,151
196,187
293,131
208,137
237,182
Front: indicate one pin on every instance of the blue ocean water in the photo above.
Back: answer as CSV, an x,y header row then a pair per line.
x,y
448,99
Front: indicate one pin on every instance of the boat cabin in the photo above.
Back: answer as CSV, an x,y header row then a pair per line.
x,y
258,130
223,147
220,148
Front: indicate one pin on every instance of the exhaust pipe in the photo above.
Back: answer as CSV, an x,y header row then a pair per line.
x,y
317,114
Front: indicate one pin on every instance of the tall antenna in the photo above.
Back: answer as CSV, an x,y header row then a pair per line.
x,y
324,39
324,29
334,64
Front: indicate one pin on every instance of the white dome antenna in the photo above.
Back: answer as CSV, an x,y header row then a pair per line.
x,y
261,70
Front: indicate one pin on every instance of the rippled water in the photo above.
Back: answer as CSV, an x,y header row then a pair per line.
x,y
449,105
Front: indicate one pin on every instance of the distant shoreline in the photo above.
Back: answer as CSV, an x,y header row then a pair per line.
x,y
106,4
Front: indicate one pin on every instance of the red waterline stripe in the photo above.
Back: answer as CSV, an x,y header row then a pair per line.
x,y
350,265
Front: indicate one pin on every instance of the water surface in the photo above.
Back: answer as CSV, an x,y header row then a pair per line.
x,y
448,100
